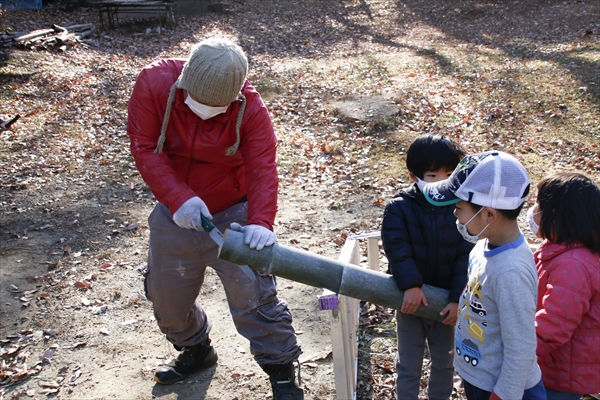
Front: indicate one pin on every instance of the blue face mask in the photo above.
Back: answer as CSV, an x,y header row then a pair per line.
x,y
462,228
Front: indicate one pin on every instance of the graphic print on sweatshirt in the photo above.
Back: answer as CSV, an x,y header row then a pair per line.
x,y
472,320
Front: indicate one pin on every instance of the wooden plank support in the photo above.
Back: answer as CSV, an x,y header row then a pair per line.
x,y
344,324
373,252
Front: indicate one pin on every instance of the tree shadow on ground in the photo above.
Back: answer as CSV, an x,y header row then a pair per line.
x,y
16,66
553,31
307,30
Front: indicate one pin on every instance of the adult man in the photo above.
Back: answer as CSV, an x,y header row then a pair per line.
x,y
203,141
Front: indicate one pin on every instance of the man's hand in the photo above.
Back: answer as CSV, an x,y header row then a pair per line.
x,y
188,215
413,298
452,310
255,236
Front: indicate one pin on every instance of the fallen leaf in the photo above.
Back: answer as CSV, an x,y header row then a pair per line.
x,y
99,310
82,285
50,332
49,384
76,375
49,391
47,354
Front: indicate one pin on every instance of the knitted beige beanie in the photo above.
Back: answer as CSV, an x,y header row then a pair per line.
x,y
214,74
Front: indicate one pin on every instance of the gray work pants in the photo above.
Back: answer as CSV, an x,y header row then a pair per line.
x,y
412,331
177,260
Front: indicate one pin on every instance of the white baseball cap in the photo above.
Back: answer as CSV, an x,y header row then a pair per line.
x,y
491,179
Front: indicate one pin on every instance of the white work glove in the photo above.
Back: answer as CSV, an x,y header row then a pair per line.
x,y
255,236
188,215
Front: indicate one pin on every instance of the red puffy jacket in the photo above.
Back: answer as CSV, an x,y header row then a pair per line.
x,y
568,318
193,160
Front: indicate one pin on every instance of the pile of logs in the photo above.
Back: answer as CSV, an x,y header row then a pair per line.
x,y
55,37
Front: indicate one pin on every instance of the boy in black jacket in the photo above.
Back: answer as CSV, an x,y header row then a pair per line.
x,y
423,246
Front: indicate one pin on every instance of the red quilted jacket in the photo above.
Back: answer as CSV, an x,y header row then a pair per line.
x,y
568,318
193,160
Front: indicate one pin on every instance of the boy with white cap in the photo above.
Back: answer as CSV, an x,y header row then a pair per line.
x,y
495,333
203,141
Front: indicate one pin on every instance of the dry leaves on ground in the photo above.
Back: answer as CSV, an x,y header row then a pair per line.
x,y
348,85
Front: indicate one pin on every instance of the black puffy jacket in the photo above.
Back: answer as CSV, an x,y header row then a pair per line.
x,y
422,244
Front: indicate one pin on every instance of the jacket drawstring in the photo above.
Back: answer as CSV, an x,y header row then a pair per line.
x,y
231,151
163,129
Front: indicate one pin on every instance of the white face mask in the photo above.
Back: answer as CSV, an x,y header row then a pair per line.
x,y
421,184
535,228
462,228
202,110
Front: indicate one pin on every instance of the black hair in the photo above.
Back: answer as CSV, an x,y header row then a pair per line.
x,y
433,152
511,214
570,209
508,214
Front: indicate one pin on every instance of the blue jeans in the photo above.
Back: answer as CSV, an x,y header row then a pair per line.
x,y
555,395
536,392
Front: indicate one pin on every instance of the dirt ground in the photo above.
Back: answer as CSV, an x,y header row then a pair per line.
x,y
74,323
106,343
73,316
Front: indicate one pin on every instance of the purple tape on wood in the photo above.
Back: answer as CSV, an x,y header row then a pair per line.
x,y
329,303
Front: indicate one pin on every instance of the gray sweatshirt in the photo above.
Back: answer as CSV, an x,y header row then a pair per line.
x,y
495,332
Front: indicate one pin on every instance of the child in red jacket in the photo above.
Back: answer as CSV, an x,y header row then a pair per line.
x,y
567,216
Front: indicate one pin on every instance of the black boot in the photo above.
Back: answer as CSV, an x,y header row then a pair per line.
x,y
190,360
283,382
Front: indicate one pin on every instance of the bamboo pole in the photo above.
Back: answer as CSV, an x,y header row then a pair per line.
x,y
86,33
33,35
80,27
323,272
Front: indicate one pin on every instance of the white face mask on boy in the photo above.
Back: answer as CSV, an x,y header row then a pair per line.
x,y
421,184
462,228
202,110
